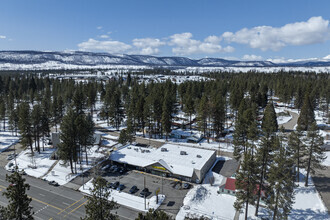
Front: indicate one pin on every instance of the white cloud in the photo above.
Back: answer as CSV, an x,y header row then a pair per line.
x,y
2,37
104,36
326,57
185,45
148,46
315,30
251,57
108,46
99,27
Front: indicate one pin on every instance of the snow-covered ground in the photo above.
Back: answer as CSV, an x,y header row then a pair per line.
x,y
36,166
7,138
203,200
307,205
61,173
126,199
326,162
283,119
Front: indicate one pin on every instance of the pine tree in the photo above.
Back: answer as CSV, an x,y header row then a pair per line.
x,y
306,117
98,206
13,120
85,133
298,149
3,112
36,123
19,202
24,125
154,215
246,183
166,116
67,149
281,184
189,108
314,152
202,114
241,130
269,121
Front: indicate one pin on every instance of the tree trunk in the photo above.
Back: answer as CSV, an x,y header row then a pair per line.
x,y
276,202
308,166
246,209
86,155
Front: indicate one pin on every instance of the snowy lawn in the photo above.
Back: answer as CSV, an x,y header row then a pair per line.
x,y
36,166
7,139
204,200
61,173
126,199
307,204
326,162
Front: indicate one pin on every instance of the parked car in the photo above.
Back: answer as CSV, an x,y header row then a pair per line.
x,y
113,168
186,186
122,170
120,187
53,183
144,192
105,167
133,190
114,185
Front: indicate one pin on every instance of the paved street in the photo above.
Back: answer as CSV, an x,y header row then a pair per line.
x,y
54,203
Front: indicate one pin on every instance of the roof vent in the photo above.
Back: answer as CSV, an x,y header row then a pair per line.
x,y
199,156
183,153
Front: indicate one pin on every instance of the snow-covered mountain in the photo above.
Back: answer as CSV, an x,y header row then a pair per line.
x,y
40,59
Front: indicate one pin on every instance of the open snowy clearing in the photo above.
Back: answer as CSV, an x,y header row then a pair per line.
x,y
61,173
36,165
307,204
203,200
7,138
128,200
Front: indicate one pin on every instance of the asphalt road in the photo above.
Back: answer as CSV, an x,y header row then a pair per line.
x,y
290,124
54,203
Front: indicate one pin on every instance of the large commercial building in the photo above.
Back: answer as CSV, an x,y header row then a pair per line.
x,y
181,162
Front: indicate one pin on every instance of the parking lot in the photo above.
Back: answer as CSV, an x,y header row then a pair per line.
x,y
172,189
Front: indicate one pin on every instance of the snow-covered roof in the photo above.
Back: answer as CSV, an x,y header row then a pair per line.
x,y
171,158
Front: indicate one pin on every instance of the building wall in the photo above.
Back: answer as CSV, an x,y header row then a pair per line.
x,y
200,174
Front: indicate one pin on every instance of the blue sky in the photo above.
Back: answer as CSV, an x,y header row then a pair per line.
x,y
238,29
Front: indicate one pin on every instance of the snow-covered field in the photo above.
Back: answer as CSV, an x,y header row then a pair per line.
x,y
7,138
204,200
307,205
326,162
36,166
61,173
126,199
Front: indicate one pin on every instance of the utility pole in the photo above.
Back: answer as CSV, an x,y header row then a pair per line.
x,y
162,185
144,183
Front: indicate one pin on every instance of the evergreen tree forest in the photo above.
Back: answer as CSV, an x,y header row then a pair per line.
x,y
33,103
